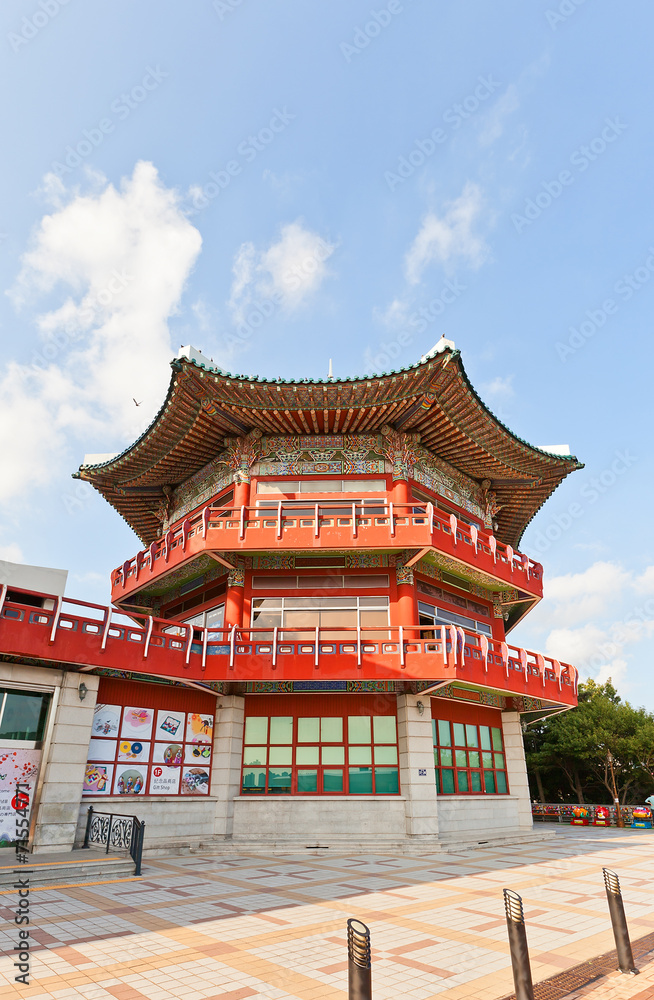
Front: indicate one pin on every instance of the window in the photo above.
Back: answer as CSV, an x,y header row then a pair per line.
x,y
431,616
283,487
320,755
23,715
468,759
331,614
214,618
444,595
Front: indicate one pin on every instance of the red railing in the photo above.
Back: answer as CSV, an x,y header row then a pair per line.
x,y
90,635
326,524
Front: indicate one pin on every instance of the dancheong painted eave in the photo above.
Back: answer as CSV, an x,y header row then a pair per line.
x,y
433,398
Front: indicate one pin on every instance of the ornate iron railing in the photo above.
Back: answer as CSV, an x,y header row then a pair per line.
x,y
117,832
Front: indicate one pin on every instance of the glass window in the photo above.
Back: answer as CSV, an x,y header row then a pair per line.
x,y
332,780
276,763
331,730
307,755
256,729
308,730
468,762
360,781
23,715
384,729
358,729
281,729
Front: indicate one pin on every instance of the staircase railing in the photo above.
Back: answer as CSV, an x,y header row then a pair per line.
x,y
118,832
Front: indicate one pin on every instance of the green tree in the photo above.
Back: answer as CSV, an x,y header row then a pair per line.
x,y
603,749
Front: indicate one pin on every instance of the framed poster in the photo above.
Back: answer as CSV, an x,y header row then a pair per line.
x,y
171,754
164,780
106,719
170,726
102,750
97,779
195,781
133,750
20,765
197,753
130,779
199,728
137,723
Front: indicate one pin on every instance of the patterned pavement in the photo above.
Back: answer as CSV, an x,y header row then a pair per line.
x,y
235,927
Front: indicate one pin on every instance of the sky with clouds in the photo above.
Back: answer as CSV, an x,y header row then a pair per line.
x,y
281,183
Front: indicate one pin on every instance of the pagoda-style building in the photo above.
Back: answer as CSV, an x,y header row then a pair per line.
x,y
312,645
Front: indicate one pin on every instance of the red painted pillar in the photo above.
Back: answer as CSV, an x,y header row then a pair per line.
x,y
241,494
406,613
234,597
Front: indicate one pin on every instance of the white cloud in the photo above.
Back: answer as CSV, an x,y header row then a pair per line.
x,y
287,273
492,125
586,595
118,260
500,388
12,553
450,237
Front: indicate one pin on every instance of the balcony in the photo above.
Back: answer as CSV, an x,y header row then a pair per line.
x,y
88,636
224,532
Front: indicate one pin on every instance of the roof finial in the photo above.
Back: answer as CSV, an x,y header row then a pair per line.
x,y
331,374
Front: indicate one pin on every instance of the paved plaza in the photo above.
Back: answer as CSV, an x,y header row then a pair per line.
x,y
239,926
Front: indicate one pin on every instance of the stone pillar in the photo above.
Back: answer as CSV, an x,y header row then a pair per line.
x,y
516,767
234,596
227,756
61,792
417,779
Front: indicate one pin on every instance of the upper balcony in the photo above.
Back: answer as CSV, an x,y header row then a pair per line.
x,y
320,526
89,636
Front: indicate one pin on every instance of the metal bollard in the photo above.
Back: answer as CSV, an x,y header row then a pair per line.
x,y
619,921
359,972
515,922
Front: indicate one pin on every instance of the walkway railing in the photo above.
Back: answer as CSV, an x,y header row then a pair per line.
x,y
564,812
230,528
117,832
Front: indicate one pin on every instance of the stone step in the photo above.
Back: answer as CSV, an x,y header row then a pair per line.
x,y
64,869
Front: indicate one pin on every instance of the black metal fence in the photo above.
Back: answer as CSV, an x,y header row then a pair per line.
x,y
117,832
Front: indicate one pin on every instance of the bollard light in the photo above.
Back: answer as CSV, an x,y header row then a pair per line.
x,y
359,961
515,922
619,922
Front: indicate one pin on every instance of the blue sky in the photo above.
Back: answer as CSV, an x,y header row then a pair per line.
x,y
284,183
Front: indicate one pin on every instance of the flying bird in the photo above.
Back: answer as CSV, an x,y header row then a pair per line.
x,y
135,403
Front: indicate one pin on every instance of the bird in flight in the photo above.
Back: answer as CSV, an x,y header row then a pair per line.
x,y
135,403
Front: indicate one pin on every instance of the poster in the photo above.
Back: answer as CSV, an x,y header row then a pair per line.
x,y
170,725
195,781
199,728
102,750
20,765
105,720
137,723
168,753
197,753
97,779
164,780
133,750
130,779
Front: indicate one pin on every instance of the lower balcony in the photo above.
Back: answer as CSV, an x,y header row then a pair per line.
x,y
89,636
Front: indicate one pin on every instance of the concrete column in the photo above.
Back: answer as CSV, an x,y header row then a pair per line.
x,y
61,792
516,767
227,756
417,780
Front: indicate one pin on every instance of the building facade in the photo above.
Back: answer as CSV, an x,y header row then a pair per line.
x,y
311,648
